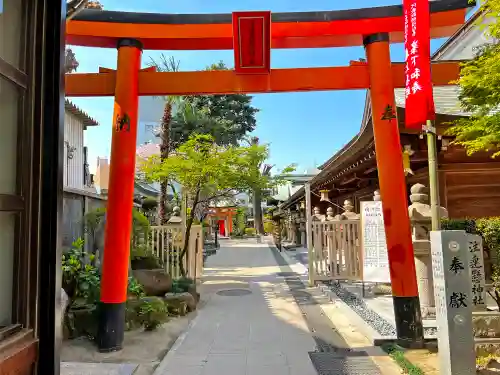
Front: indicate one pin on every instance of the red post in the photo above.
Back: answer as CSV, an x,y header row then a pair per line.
x,y
120,200
393,192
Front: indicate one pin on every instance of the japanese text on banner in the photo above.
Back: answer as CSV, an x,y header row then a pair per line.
x,y
418,84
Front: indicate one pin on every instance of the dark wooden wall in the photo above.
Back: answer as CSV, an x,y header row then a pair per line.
x,y
468,189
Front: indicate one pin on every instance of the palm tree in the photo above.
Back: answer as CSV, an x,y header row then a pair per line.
x,y
169,64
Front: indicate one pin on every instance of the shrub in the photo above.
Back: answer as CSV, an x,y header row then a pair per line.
x,y
82,283
81,279
468,225
182,285
489,229
250,231
152,312
148,312
134,288
268,227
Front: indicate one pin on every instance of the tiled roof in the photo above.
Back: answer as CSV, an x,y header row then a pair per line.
x,y
80,114
445,100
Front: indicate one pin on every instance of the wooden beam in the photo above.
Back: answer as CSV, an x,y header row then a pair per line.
x,y
349,180
370,170
470,167
227,82
342,28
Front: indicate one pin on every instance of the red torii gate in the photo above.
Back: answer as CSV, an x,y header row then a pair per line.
x,y
252,35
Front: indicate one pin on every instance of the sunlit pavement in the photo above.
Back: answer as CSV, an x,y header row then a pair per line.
x,y
261,332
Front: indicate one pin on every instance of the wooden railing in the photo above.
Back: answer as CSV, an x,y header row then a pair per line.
x,y
167,243
337,253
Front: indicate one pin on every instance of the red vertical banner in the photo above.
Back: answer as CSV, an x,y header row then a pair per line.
x,y
418,88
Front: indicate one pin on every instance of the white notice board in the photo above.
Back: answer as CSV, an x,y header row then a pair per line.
x,y
375,259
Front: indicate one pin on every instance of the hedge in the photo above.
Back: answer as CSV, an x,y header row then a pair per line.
x,y
488,228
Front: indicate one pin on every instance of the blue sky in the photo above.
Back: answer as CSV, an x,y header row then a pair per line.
x,y
304,128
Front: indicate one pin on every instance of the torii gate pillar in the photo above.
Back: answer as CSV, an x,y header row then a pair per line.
x,y
118,225
393,192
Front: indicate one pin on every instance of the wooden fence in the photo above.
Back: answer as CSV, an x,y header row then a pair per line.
x,y
167,243
337,251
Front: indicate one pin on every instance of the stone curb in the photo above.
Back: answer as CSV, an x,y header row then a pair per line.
x,y
357,321
161,368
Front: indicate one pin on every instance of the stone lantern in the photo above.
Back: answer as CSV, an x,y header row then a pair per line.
x,y
420,215
324,196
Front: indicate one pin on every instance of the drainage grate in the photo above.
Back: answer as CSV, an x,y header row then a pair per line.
x,y
234,292
328,359
334,364
287,274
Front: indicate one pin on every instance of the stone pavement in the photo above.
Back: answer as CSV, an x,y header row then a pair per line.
x,y
255,322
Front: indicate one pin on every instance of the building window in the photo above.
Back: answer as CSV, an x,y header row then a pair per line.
x,y
12,31
150,128
13,158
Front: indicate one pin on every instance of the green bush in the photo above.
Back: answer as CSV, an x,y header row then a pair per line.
x,y
148,312
134,288
250,231
468,225
80,278
152,312
82,283
182,285
268,227
489,229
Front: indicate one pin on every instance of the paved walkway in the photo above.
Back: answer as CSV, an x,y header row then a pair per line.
x,y
263,332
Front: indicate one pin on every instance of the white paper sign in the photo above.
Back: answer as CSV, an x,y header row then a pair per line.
x,y
375,258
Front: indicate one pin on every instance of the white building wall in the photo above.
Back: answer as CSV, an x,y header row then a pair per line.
x,y
150,115
464,46
73,138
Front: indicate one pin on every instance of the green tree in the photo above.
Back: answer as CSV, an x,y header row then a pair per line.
x,y
240,221
261,181
73,6
165,65
480,90
235,109
207,171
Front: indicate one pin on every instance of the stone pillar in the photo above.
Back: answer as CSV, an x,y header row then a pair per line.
x,y
329,214
348,213
420,219
317,214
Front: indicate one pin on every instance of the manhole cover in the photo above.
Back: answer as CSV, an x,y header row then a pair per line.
x,y
234,292
287,274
